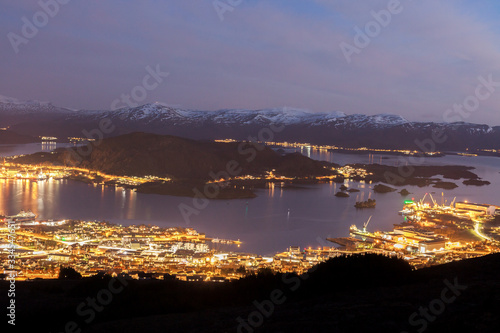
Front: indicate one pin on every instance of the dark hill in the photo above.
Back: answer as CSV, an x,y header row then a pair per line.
x,y
10,137
140,154
353,294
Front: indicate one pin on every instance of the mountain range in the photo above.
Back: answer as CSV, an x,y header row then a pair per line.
x,y
390,131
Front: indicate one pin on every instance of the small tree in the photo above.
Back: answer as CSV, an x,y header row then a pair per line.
x,y
241,270
69,273
265,272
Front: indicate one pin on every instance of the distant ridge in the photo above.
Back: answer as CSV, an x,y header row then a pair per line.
x,y
336,128
9,137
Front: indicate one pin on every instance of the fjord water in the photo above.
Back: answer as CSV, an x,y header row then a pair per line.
x,y
271,222
30,148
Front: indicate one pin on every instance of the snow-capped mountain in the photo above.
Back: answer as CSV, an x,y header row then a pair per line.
x,y
378,131
13,105
242,117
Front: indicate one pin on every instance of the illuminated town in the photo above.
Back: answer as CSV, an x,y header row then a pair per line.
x,y
431,234
10,170
338,148
40,172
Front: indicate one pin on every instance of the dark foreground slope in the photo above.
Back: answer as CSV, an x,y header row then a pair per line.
x,y
355,294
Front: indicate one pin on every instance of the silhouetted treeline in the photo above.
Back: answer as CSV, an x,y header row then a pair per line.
x,y
49,305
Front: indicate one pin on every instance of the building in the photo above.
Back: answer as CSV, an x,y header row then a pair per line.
x,y
477,209
432,245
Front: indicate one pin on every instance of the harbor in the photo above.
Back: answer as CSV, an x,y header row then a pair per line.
x,y
431,233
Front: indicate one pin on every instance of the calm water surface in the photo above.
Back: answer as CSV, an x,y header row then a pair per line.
x,y
269,223
30,148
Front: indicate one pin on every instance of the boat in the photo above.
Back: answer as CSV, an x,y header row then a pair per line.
x,y
21,217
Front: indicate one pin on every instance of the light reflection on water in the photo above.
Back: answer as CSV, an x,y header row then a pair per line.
x,y
30,148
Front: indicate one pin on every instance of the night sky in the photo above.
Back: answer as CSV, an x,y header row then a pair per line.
x,y
256,54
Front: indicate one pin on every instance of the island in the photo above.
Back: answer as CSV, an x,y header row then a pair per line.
x,y
476,182
370,203
381,188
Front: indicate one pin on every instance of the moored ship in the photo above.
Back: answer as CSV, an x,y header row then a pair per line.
x,y
22,217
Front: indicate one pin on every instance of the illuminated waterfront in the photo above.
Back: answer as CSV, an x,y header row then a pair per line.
x,y
30,148
431,234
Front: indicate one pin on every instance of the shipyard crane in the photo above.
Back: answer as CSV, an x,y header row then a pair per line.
x,y
422,200
451,204
366,223
433,201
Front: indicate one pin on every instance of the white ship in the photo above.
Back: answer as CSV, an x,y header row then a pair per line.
x,y
21,217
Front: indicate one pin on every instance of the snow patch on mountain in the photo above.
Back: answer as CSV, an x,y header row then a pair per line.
x,y
388,119
10,105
